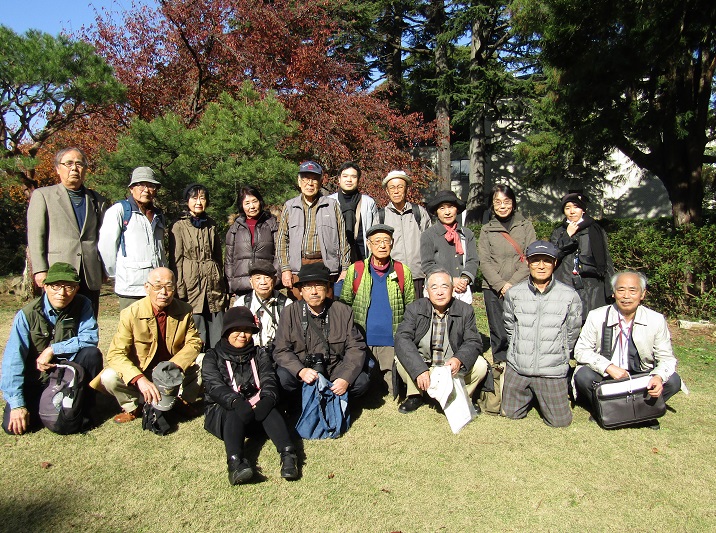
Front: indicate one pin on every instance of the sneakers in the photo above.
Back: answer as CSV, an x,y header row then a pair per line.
x,y
289,463
240,470
124,417
410,404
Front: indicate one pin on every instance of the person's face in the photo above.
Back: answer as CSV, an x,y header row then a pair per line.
x,y
72,170
251,205
380,244
502,205
61,294
240,338
397,189
160,287
573,212
314,292
440,290
197,204
309,184
541,267
348,180
144,193
628,293
263,284
447,213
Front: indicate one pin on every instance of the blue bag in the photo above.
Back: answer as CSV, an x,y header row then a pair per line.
x,y
324,415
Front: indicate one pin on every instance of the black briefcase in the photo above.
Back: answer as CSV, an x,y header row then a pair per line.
x,y
626,402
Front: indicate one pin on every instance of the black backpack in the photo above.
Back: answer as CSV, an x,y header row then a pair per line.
x,y
61,401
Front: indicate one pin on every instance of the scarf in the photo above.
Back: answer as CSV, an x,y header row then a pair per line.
x,y
198,222
349,204
452,236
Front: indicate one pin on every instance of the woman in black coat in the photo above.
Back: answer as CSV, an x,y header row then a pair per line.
x,y
584,260
241,389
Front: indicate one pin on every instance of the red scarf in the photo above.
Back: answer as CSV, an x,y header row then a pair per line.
x,y
451,235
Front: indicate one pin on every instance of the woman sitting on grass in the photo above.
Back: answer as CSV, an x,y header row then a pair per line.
x,y
241,390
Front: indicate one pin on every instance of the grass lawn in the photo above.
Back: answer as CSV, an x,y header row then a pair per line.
x,y
390,472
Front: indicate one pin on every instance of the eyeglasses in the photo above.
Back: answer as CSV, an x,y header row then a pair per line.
x,y
145,185
396,188
548,261
307,179
504,203
157,287
69,164
381,242
62,287
318,285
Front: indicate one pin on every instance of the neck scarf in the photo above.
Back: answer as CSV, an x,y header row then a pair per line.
x,y
452,236
240,355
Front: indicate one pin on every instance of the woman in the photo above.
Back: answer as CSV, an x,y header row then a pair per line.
x,y
501,247
241,390
450,245
585,263
196,259
252,236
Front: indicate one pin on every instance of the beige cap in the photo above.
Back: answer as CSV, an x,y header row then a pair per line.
x,y
397,174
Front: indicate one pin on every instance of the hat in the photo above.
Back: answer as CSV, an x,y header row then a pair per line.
x,y
310,167
167,377
542,248
443,197
262,266
397,174
577,198
378,228
61,272
238,318
191,186
143,174
314,272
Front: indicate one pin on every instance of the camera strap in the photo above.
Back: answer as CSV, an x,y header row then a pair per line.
x,y
322,332
236,387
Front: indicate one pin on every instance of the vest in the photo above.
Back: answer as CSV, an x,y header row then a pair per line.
x,y
43,333
326,226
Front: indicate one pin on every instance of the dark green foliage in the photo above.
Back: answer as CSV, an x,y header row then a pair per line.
x,y
12,235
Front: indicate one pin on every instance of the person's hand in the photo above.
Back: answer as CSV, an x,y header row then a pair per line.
x,y
460,284
308,375
340,386
286,279
454,364
617,372
572,228
43,360
506,287
149,390
19,420
342,275
40,279
655,387
423,380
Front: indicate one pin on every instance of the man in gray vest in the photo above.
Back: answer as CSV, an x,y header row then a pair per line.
x,y
311,230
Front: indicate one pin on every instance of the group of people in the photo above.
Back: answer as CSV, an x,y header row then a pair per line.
x,y
369,291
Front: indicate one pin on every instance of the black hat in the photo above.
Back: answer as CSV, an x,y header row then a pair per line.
x,y
380,228
192,186
443,197
542,248
577,198
262,266
238,318
314,272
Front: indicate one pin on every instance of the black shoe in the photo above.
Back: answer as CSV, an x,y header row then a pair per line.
x,y
240,470
411,404
289,463
478,409
653,424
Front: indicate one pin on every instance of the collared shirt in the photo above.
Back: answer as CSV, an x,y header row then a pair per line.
x,y
438,337
620,357
18,348
310,244
162,350
267,333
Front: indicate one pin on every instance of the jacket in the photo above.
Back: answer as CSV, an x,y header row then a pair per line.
x,y
196,259
240,253
144,244
542,328
292,344
368,216
135,343
465,340
406,237
53,234
436,252
499,261
650,334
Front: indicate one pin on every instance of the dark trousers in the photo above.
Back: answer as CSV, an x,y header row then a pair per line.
x,y
92,296
208,325
234,432
495,307
419,285
291,383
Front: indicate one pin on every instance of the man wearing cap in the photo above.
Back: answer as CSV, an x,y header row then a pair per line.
x,y
131,240
311,229
378,289
542,319
63,224
58,325
264,301
315,335
156,328
408,221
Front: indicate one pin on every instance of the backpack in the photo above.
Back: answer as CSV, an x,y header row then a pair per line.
x,y
126,216
415,210
360,266
61,401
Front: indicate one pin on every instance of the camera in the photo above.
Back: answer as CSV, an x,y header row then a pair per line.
x,y
317,362
248,390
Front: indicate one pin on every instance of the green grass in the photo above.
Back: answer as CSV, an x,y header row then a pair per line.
x,y
390,472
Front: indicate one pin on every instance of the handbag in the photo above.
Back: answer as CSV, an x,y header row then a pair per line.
x,y
626,402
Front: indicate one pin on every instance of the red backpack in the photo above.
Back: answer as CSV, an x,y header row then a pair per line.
x,y
359,267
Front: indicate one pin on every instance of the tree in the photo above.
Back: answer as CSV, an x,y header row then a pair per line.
x,y
632,76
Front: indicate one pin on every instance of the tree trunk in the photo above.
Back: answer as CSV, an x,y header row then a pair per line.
x,y
686,195
394,65
442,110
478,142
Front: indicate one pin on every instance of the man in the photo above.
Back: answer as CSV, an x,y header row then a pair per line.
x,y
316,334
63,224
59,325
156,328
640,343
409,221
437,331
542,320
131,240
378,289
311,229
264,301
